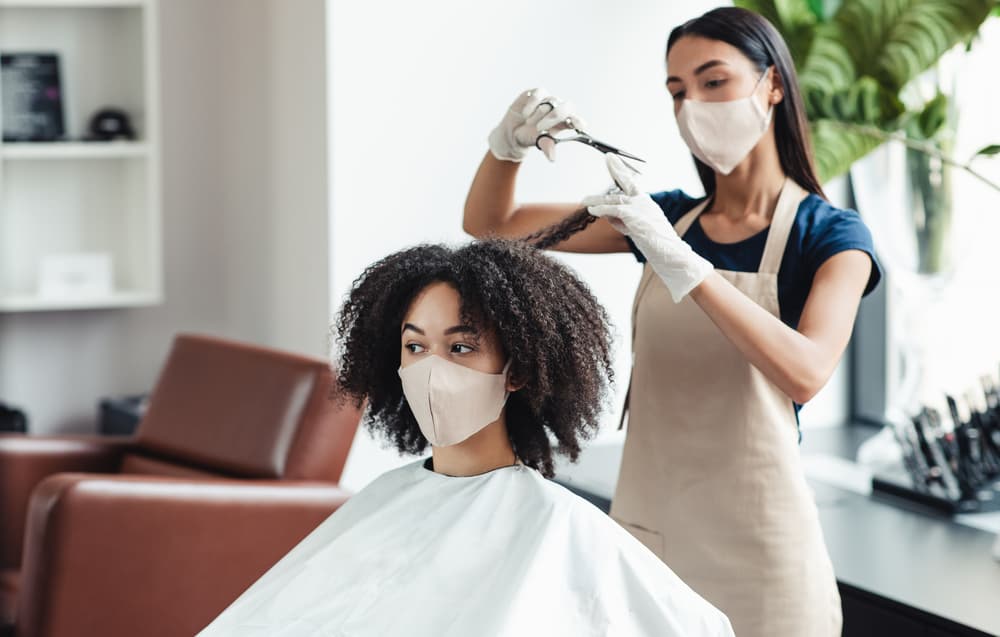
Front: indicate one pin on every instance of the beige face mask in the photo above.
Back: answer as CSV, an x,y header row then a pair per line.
x,y
722,134
452,402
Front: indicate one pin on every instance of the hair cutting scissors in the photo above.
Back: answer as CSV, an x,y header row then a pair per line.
x,y
585,138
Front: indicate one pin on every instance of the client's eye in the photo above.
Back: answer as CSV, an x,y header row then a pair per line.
x,y
459,348
414,348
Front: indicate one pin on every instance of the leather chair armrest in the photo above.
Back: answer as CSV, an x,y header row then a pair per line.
x,y
27,460
155,556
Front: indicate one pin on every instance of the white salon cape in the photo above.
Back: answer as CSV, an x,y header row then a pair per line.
x,y
421,554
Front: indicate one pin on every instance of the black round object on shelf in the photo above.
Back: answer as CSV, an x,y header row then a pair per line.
x,y
109,124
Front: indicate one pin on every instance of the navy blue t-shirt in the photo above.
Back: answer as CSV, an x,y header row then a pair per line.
x,y
820,231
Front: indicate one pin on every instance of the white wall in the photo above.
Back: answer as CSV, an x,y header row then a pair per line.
x,y
244,205
271,110
416,87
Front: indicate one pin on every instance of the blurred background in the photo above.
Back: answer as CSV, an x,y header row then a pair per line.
x,y
256,155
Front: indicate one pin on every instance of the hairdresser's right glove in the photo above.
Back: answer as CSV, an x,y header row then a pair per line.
x,y
532,113
634,213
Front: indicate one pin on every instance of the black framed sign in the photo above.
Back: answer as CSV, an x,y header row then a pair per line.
x,y
32,97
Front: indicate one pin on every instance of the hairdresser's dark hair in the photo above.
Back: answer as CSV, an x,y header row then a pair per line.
x,y
761,43
555,333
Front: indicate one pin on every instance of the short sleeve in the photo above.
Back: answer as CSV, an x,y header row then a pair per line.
x,y
674,204
836,230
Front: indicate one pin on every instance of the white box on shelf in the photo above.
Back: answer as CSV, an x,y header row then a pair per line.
x,y
75,276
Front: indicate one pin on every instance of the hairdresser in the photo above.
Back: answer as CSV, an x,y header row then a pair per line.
x,y
746,303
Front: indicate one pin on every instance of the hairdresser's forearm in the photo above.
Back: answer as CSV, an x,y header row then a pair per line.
x,y
490,211
798,365
490,202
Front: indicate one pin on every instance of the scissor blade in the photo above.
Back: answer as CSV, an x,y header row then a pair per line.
x,y
631,167
608,148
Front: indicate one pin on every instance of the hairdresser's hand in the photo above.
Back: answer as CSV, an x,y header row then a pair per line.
x,y
636,214
532,113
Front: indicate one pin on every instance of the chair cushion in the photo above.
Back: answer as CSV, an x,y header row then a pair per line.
x,y
141,465
230,407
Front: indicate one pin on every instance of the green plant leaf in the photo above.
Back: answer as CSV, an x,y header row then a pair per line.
x,y
922,30
798,25
932,118
829,8
816,6
863,102
836,148
890,40
828,65
988,151
794,19
765,8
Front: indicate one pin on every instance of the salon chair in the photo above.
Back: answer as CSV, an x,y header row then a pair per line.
x,y
236,459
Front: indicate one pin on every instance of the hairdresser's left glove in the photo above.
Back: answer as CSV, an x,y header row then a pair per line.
x,y
634,213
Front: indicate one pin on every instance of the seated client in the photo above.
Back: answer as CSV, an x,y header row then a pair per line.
x,y
497,357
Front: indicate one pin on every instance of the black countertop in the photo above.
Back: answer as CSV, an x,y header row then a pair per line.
x,y
905,556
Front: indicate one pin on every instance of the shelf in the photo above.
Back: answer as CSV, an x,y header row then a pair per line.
x,y
75,196
116,300
82,4
73,150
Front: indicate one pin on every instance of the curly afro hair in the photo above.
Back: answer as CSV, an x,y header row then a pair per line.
x,y
545,319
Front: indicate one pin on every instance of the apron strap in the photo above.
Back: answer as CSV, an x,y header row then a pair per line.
x,y
785,211
684,223
647,276
628,395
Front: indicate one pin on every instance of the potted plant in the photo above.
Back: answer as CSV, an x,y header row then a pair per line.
x,y
859,63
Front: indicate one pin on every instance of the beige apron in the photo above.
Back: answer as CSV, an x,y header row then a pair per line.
x,y
711,479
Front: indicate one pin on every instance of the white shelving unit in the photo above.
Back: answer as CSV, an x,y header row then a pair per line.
x,y
85,197
70,150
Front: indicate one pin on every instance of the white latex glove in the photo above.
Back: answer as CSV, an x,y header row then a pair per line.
x,y
634,213
526,119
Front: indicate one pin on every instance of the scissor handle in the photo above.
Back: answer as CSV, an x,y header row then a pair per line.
x,y
544,135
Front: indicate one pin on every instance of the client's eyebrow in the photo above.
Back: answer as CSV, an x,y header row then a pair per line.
x,y
457,329
412,327
698,71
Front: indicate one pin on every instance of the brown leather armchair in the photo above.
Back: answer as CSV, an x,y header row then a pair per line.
x,y
236,459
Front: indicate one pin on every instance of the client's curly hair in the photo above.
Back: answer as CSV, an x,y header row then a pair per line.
x,y
544,317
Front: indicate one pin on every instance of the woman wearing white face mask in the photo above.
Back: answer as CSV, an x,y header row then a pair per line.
x,y
496,357
745,306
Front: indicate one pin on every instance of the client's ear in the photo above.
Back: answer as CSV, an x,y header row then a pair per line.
x,y
514,383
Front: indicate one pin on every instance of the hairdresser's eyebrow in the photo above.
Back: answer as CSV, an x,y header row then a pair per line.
x,y
701,69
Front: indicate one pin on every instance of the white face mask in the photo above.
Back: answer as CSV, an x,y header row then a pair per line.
x,y
722,134
452,402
